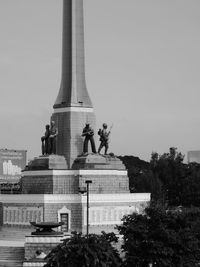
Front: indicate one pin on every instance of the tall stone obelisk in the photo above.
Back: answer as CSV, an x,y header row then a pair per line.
x,y
73,107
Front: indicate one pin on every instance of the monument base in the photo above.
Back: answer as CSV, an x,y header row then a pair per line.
x,y
52,195
106,210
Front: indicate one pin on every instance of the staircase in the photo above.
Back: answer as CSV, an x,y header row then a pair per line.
x,y
12,246
11,256
13,234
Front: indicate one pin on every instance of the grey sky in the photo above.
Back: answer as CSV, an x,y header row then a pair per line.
x,y
142,71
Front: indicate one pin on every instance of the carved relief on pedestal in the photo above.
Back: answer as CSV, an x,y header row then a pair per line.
x,y
109,215
22,215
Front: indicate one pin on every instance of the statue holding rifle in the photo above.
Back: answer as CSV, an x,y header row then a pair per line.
x,y
88,133
104,138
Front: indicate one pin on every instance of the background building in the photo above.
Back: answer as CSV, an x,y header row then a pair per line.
x,y
193,156
12,162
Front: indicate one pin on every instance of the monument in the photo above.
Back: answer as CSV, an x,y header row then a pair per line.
x,y
52,183
73,106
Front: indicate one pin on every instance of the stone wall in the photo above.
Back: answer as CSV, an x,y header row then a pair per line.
x,y
37,185
69,181
106,210
106,184
49,184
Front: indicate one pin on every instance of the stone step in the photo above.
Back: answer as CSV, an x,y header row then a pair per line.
x,y
11,263
14,233
11,254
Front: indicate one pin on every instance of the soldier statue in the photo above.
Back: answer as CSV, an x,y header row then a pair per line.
x,y
88,133
104,138
52,138
45,140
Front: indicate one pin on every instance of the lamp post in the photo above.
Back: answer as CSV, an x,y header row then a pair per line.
x,y
83,190
88,182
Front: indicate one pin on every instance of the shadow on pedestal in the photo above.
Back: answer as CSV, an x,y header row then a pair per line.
x,y
47,162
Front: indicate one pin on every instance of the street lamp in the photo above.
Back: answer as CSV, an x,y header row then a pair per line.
x,y
83,190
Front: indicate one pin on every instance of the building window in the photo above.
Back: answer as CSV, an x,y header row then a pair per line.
x,y
64,215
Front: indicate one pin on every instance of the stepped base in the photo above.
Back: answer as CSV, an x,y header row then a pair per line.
x,y
11,264
98,162
11,256
13,236
34,264
48,162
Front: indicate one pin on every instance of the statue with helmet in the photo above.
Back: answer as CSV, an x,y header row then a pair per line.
x,y
104,138
88,133
52,138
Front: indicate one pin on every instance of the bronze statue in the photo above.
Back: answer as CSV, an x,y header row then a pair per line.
x,y
104,138
52,138
45,141
88,133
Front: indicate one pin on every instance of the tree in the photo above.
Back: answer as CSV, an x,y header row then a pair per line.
x,y
141,177
160,238
169,180
171,171
191,186
78,251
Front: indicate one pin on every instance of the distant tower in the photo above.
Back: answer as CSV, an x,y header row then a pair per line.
x,y
73,107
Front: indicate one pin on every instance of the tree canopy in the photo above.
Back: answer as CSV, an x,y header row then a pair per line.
x,y
168,179
156,238
161,238
141,177
78,251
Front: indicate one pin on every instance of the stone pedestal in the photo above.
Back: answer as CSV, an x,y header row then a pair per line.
x,y
107,173
43,180
44,243
47,162
98,162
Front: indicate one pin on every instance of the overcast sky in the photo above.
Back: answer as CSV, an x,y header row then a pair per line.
x,y
142,72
